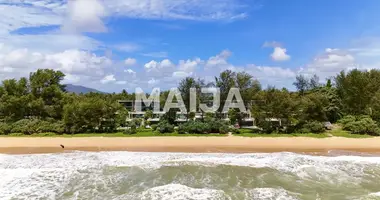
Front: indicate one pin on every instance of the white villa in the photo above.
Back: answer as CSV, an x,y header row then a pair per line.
x,y
248,120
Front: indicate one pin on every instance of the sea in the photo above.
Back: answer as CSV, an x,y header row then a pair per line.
x,y
189,176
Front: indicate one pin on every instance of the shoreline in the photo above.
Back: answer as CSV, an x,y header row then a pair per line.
x,y
234,144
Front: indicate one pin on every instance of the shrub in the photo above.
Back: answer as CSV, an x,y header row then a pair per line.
x,y
314,127
131,130
182,129
304,130
53,127
58,127
26,126
35,126
346,120
364,126
361,125
216,124
197,127
165,127
267,127
211,126
137,122
154,127
5,128
224,129
234,130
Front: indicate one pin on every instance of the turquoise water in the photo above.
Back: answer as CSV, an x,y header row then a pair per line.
x,y
128,175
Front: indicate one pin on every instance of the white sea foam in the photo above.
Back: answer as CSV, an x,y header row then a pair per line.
x,y
44,175
181,192
270,193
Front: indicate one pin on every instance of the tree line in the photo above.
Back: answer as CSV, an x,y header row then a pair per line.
x,y
40,103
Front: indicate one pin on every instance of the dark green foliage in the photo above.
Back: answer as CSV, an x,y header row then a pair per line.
x,y
210,126
131,130
268,126
137,122
170,116
35,126
57,127
154,127
360,125
313,127
165,127
191,116
40,104
194,127
5,128
26,126
347,119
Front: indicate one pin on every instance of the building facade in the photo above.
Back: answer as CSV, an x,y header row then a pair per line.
x,y
130,105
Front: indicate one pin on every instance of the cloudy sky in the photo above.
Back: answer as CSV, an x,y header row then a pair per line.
x,y
112,45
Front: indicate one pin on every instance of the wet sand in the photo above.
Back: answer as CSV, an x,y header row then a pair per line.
x,y
23,145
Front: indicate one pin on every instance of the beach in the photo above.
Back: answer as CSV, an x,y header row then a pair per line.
x,y
194,168
233,144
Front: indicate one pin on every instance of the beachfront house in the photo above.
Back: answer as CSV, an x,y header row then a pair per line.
x,y
247,121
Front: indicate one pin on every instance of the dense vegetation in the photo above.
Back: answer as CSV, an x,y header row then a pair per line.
x,y
40,104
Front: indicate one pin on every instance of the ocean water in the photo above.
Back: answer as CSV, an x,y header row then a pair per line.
x,y
171,176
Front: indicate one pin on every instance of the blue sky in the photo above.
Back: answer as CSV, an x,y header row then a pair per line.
x,y
122,44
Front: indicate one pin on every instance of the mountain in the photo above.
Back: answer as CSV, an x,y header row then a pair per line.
x,y
80,89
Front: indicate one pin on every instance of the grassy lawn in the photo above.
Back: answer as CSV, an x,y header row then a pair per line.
x,y
140,133
335,133
346,134
312,135
248,133
243,133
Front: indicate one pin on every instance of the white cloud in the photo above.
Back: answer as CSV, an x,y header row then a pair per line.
x,y
129,62
153,81
80,62
219,60
268,72
16,14
85,16
129,71
187,68
279,54
154,66
108,79
189,65
69,78
178,9
329,63
48,43
368,52
78,65
181,74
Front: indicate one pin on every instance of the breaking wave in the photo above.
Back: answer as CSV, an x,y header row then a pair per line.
x,y
132,175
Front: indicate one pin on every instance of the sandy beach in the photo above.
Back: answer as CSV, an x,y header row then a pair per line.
x,y
234,144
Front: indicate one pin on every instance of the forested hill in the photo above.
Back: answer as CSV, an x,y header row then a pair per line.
x,y
77,89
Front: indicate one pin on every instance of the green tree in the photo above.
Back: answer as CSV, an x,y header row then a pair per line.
x,y
225,81
302,84
184,87
354,90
